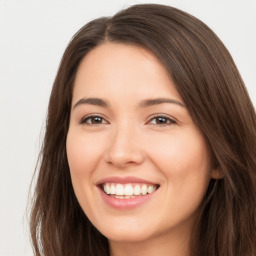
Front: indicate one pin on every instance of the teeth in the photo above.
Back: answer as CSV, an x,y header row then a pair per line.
x,y
107,189
128,190
136,190
150,189
112,189
144,189
119,190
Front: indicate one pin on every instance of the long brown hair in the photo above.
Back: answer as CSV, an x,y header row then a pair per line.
x,y
211,87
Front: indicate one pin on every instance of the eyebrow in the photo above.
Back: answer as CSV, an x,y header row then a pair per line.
x,y
143,103
157,101
92,101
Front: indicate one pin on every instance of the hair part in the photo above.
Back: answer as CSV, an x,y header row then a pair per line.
x,y
209,83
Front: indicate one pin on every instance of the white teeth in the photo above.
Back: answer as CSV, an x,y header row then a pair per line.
x,y
150,189
119,190
128,190
107,188
112,189
144,189
136,190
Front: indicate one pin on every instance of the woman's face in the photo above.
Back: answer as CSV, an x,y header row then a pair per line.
x,y
139,165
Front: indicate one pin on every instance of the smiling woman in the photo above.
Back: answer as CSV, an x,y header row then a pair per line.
x,y
139,153
150,143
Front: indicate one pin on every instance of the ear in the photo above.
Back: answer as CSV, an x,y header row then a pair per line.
x,y
217,174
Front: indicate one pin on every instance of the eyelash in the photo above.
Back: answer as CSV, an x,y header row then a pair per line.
x,y
169,120
86,118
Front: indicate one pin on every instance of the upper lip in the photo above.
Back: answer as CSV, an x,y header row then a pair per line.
x,y
123,180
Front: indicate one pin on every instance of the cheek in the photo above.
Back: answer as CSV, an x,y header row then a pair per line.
x,y
83,153
183,159
83,157
180,151
184,163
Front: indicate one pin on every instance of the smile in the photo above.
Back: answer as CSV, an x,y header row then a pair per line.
x,y
124,193
128,191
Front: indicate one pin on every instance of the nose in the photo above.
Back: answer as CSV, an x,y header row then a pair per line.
x,y
124,148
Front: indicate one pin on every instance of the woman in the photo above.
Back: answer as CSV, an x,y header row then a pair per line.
x,y
150,144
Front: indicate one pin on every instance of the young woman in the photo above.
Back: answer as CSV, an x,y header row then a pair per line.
x,y
150,144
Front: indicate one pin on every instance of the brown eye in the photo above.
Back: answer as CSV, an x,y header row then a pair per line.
x,y
162,120
92,120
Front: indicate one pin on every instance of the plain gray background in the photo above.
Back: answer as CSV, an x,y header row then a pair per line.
x,y
33,36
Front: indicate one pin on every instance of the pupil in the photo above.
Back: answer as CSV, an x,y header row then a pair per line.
x,y
161,120
96,120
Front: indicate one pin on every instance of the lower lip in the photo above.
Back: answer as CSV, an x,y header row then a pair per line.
x,y
126,203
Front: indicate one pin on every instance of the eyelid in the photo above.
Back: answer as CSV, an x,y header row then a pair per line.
x,y
87,117
171,119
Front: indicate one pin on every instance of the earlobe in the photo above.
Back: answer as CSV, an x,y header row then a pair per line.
x,y
217,174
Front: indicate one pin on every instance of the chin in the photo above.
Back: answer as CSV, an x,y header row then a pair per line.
x,y
128,237
127,233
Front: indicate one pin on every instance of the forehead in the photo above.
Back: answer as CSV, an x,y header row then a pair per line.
x,y
127,70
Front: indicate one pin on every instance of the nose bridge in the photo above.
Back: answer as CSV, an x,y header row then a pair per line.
x,y
124,148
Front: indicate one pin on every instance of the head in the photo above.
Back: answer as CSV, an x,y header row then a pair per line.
x,y
204,78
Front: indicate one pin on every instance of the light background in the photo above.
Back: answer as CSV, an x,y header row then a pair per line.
x,y
33,36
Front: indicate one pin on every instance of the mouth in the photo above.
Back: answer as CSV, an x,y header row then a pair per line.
x,y
128,190
126,193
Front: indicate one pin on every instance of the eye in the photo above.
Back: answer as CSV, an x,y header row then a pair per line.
x,y
93,120
161,120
